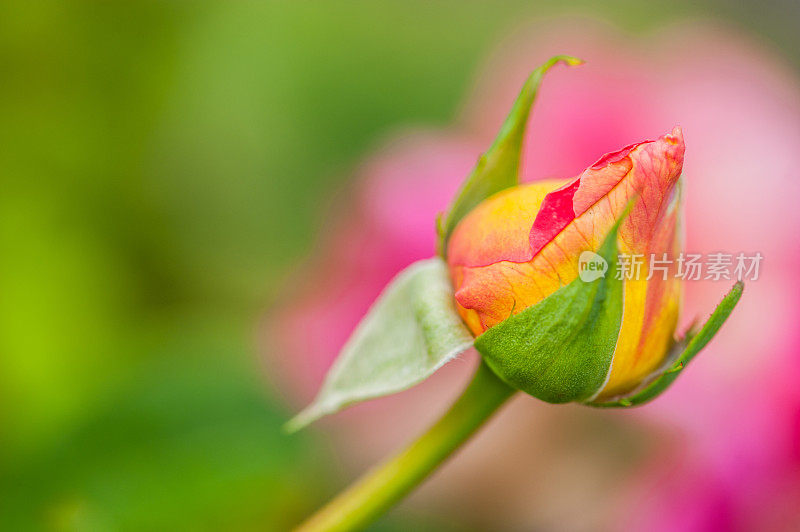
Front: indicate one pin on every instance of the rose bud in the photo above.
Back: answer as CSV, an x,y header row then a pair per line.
x,y
567,290
553,283
524,244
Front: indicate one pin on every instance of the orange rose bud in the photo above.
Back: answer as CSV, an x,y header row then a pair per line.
x,y
522,244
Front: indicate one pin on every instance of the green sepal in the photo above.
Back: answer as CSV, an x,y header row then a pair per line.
x,y
686,349
498,168
560,350
411,330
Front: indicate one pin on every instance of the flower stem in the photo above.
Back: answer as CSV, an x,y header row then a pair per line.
x,y
385,485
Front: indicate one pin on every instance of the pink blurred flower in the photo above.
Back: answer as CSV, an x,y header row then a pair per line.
x,y
731,421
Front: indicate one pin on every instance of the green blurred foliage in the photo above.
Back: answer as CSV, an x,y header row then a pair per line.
x,y
162,166
188,442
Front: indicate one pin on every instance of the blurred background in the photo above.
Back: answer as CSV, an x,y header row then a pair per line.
x,y
199,199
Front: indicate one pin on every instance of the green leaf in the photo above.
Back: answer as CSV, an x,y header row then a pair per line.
x,y
560,349
410,332
498,168
695,344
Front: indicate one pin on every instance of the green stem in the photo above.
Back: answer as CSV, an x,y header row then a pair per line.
x,y
382,487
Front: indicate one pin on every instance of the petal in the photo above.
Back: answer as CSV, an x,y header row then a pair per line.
x,y
487,295
498,228
647,169
649,314
500,276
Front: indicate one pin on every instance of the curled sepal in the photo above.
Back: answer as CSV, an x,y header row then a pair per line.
x,y
411,331
498,168
685,351
560,349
